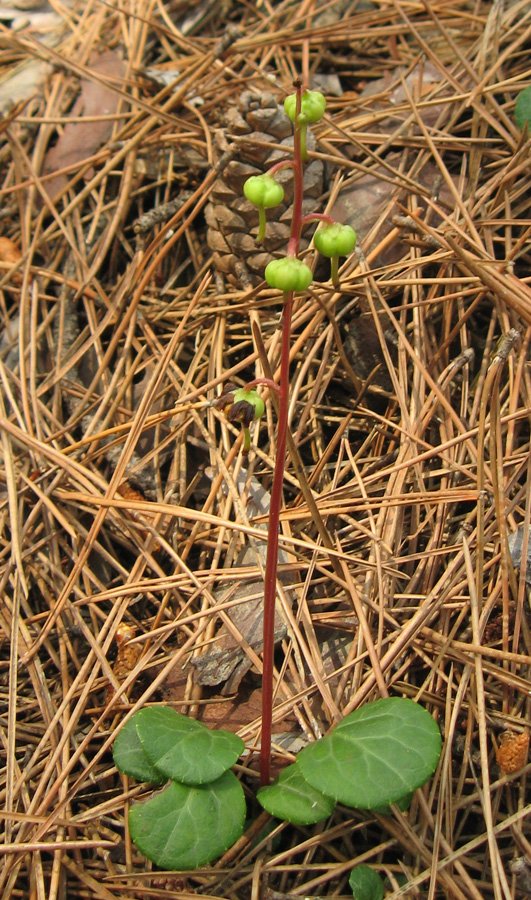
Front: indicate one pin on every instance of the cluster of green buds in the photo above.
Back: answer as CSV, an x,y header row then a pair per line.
x,y
288,274
291,274
264,192
243,405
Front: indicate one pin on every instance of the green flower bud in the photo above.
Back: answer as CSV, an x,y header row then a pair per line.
x,y
335,240
288,274
313,105
263,190
247,403
240,405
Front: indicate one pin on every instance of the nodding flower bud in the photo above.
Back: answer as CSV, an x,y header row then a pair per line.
x,y
288,274
241,405
263,190
335,240
313,105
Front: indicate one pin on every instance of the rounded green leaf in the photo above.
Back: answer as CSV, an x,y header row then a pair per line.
x,y
184,826
184,749
130,758
522,110
403,803
366,884
291,798
376,755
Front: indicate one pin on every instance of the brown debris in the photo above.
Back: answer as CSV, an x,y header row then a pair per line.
x,y
127,656
511,755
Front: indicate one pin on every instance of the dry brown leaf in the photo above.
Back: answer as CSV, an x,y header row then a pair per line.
x,y
419,83
360,205
227,660
81,140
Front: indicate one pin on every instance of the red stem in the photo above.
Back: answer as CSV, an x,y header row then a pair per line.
x,y
267,382
317,217
270,586
277,167
270,581
298,182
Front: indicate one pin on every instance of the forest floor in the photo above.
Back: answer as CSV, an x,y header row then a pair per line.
x,y
129,512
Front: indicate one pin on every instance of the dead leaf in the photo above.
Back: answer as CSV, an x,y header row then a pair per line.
x,y
228,660
232,714
521,867
27,78
361,204
81,140
421,82
516,544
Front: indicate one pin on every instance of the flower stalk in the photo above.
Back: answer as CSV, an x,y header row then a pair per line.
x,y
270,586
289,275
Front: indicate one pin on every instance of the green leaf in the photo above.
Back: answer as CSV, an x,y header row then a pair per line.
x,y
184,749
129,757
183,826
522,110
366,884
291,798
403,803
376,755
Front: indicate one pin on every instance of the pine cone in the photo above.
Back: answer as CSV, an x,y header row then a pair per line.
x,y
233,221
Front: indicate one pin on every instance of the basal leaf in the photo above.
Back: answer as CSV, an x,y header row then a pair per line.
x,y
184,826
522,109
402,803
291,798
184,749
376,755
129,757
366,884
